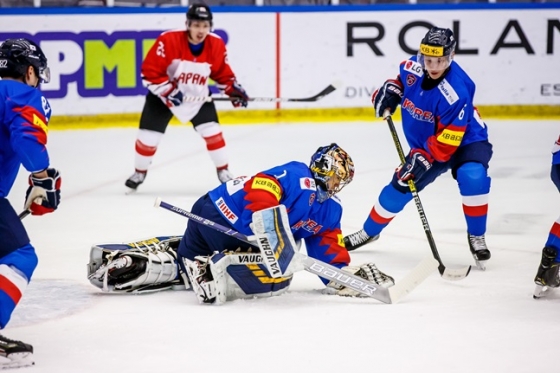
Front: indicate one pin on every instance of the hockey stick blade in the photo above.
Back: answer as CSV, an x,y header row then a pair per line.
x,y
326,91
421,272
326,270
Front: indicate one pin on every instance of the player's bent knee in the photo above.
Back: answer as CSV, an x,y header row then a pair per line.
x,y
473,179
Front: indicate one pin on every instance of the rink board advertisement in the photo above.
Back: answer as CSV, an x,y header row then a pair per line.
x,y
513,56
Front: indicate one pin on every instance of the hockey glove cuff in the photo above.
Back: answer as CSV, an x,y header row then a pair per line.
x,y
47,189
172,95
417,162
388,96
236,90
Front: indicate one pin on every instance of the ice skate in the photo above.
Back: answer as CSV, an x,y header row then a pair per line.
x,y
224,175
479,250
135,180
15,354
548,276
358,239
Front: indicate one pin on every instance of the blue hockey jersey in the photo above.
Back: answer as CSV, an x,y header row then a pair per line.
x,y
441,119
24,117
292,185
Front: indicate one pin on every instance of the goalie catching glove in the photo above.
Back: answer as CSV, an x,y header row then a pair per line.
x,y
369,272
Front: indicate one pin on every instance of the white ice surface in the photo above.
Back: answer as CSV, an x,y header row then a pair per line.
x,y
485,323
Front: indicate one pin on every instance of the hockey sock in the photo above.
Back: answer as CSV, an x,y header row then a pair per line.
x,y
215,143
146,147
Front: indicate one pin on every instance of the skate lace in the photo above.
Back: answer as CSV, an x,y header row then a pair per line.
x,y
478,243
358,237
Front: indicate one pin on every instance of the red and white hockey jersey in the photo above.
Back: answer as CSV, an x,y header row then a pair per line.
x,y
171,60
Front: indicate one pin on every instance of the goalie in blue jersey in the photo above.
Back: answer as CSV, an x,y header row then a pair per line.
x,y
444,132
293,202
25,114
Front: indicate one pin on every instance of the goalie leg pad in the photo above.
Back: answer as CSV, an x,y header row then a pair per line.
x,y
229,276
275,240
143,266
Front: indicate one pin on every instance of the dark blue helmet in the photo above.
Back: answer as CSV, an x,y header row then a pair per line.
x,y
16,55
438,42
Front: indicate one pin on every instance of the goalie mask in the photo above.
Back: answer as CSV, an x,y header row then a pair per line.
x,y
332,169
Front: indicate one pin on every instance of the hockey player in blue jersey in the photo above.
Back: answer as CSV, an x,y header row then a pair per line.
x,y
218,265
548,274
444,132
24,114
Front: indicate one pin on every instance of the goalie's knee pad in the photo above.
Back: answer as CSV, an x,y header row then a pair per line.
x,y
228,276
137,267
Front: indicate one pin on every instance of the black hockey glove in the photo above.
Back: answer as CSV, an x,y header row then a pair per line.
x,y
388,96
48,189
417,162
236,90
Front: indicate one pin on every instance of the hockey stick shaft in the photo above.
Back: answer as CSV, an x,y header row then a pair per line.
x,y
444,272
326,91
390,295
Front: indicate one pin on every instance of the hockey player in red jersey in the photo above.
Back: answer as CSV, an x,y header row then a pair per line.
x,y
179,65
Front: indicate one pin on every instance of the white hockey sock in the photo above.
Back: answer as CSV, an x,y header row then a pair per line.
x,y
146,146
215,143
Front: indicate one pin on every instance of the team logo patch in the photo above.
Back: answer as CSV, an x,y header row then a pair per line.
x,y
311,199
410,80
448,92
414,67
226,211
307,183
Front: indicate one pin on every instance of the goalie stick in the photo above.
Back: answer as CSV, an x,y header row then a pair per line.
x,y
328,90
446,273
386,295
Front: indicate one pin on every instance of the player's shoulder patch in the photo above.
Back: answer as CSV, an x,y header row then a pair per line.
x,y
413,67
448,92
307,183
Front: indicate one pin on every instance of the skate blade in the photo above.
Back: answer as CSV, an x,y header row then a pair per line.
x,y
480,264
17,360
129,191
540,291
